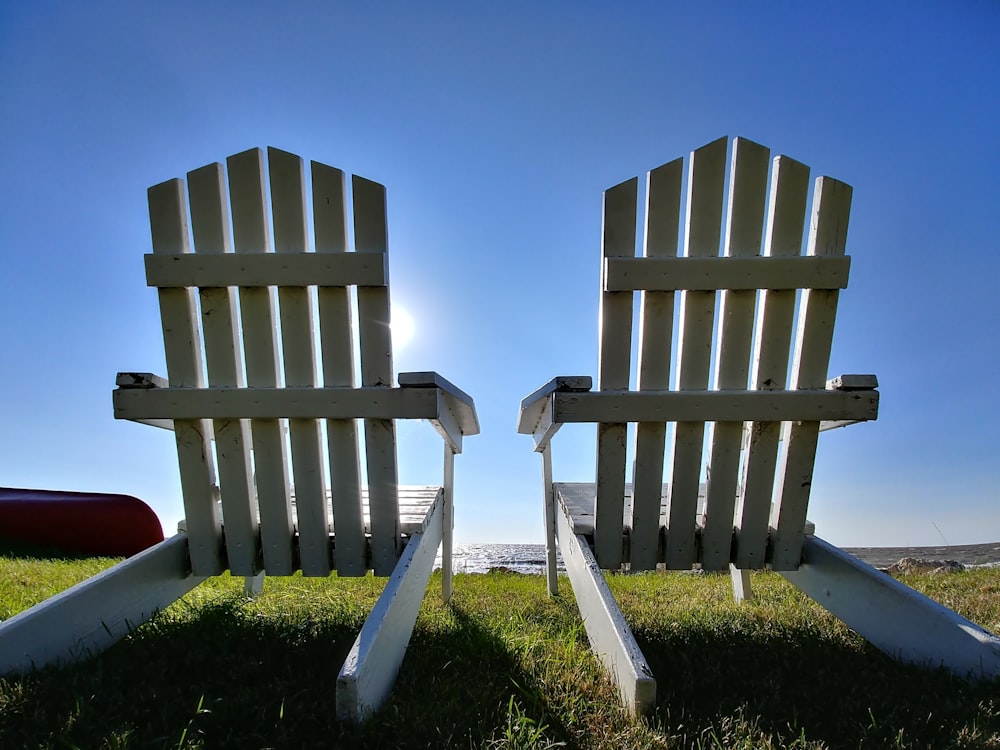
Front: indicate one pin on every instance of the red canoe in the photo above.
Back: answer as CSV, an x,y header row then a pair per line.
x,y
86,523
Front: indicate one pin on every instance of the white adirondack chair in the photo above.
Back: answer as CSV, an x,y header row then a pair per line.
x,y
732,380
248,508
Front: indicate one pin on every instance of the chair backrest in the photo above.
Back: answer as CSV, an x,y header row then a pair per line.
x,y
735,315
241,245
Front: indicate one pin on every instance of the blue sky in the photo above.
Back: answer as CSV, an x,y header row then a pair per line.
x,y
495,127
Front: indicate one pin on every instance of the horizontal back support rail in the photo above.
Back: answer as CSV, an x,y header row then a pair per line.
x,y
222,402
267,269
710,274
715,406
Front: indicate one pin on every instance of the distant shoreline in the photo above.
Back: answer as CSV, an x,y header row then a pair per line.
x,y
966,554
530,558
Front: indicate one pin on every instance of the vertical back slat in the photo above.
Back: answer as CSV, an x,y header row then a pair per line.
x,y
706,182
287,178
252,235
813,341
337,342
787,206
168,221
744,228
370,236
614,366
663,202
223,356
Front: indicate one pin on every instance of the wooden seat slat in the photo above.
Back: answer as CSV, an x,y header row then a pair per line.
x,y
579,497
415,502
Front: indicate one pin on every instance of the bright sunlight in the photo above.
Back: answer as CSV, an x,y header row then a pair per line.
x,y
403,328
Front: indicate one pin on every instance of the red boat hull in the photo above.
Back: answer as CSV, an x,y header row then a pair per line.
x,y
83,523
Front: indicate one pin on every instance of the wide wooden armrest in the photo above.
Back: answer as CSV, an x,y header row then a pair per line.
x,y
852,383
140,380
614,407
456,416
848,383
460,401
147,398
533,406
847,399
143,380
535,417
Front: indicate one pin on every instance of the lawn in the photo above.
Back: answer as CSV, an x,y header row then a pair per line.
x,y
502,666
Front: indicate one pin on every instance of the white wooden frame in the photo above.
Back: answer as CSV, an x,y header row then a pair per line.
x,y
241,511
608,632
899,621
776,307
94,614
374,659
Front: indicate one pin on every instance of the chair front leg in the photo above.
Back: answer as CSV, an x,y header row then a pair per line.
x,y
448,523
741,584
610,636
549,510
253,586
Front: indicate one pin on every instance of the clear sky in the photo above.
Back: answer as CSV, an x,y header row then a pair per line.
x,y
495,127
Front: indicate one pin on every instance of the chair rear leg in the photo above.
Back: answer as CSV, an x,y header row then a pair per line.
x,y
91,616
894,618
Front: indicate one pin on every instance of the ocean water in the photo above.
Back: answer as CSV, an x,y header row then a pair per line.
x,y
482,558
530,558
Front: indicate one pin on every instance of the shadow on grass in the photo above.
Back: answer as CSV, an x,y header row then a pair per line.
x,y
230,677
472,682
494,669
799,682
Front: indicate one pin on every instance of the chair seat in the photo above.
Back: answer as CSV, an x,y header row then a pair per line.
x,y
579,501
415,504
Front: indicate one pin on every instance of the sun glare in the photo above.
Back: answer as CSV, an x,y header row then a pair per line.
x,y
402,326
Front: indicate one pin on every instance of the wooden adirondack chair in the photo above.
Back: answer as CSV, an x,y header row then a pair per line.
x,y
248,508
747,508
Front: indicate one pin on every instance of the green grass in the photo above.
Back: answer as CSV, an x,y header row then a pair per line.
x,y
504,666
